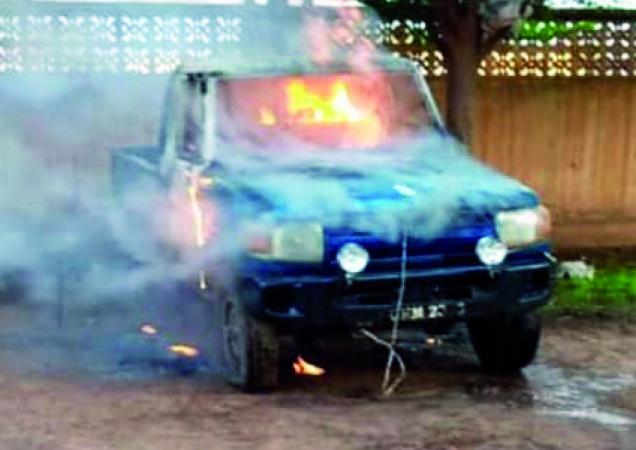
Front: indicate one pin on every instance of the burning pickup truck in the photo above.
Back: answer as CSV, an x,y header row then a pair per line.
x,y
322,201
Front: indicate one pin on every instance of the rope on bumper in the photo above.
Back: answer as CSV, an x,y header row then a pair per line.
x,y
388,386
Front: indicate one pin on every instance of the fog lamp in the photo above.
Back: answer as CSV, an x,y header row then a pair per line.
x,y
353,258
491,251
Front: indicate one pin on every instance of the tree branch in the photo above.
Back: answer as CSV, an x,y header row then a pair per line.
x,y
400,10
438,38
491,40
446,12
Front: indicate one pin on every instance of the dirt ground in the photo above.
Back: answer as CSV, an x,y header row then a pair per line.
x,y
61,390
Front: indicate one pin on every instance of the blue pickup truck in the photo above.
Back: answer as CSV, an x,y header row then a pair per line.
x,y
311,202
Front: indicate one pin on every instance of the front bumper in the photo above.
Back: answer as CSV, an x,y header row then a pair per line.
x,y
369,300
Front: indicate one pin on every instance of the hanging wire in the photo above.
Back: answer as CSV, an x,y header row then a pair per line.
x,y
388,386
387,389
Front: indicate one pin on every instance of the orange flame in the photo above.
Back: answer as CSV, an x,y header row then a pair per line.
x,y
310,108
302,367
267,117
197,215
336,103
184,350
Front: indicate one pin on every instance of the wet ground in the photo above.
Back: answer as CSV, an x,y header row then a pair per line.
x,y
83,376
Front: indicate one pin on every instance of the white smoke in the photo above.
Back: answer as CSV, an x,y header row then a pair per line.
x,y
59,131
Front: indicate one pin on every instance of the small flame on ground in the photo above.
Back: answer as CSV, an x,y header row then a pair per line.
x,y
148,329
184,350
302,367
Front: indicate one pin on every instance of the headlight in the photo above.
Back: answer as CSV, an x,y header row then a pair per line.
x,y
490,251
523,226
289,242
353,258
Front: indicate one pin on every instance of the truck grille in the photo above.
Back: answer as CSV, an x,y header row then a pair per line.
x,y
440,289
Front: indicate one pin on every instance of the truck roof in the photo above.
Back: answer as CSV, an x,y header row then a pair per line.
x,y
384,62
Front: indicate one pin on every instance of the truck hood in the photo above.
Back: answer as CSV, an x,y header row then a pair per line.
x,y
428,187
487,194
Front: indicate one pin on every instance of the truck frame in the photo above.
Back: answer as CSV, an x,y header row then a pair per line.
x,y
446,281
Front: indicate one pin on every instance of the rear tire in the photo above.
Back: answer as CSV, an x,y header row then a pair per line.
x,y
251,349
506,344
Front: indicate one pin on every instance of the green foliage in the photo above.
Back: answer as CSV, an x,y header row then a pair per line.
x,y
533,30
591,4
546,30
612,292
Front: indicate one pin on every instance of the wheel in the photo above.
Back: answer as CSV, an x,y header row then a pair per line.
x,y
506,344
250,353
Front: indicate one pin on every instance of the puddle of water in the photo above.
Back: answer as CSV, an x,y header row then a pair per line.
x,y
578,395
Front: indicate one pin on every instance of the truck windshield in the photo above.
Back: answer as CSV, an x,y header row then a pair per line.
x,y
326,111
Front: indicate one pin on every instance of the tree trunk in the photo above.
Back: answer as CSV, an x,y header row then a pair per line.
x,y
462,59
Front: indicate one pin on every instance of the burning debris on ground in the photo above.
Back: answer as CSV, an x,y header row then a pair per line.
x,y
148,329
184,350
302,367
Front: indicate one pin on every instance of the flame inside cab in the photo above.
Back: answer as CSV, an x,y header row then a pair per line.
x,y
332,111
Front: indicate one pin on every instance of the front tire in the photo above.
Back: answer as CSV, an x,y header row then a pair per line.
x,y
506,344
250,354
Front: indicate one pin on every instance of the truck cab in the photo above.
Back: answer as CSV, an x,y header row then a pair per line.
x,y
310,202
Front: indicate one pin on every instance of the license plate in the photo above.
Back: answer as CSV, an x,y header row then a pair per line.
x,y
431,311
